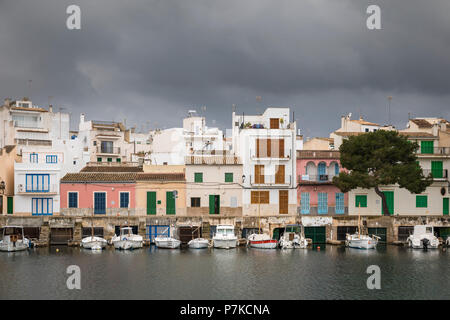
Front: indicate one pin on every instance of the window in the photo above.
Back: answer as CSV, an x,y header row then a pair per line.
x,y
437,169
99,159
339,202
421,201
198,177
118,160
41,206
106,147
267,148
109,159
73,200
304,202
228,177
361,201
426,147
95,143
51,159
99,202
336,169
195,202
323,202
124,199
33,158
259,173
261,197
37,182
367,130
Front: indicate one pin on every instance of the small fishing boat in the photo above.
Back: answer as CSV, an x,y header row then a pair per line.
x,y
127,240
13,239
167,242
262,241
423,238
198,243
359,240
224,238
92,242
293,238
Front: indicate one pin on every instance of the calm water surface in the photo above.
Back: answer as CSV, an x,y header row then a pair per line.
x,y
151,273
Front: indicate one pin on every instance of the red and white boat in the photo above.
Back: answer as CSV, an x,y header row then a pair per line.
x,y
262,241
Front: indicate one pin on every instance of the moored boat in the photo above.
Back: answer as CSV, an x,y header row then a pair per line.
x,y
198,243
127,240
293,238
361,241
93,243
224,238
167,242
423,238
13,239
262,241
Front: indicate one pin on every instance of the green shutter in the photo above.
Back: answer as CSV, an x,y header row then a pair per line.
x,y
445,206
436,169
426,147
10,205
99,159
211,204
421,201
390,201
118,160
170,203
198,177
151,202
228,177
109,159
361,201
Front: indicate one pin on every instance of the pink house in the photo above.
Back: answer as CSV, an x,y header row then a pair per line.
x,y
316,194
100,193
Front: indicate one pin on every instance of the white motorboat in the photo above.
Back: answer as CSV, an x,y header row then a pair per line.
x,y
293,238
13,239
127,240
93,243
167,242
423,238
448,241
224,237
198,243
262,241
361,241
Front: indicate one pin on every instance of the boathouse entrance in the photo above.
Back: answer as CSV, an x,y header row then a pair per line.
x,y
152,231
317,234
188,233
379,232
60,236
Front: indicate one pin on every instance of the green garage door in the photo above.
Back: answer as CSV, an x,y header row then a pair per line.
x,y
380,232
317,234
443,232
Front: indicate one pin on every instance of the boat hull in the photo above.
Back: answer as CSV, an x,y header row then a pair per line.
x,y
263,244
225,243
198,244
167,243
13,246
362,244
95,243
127,244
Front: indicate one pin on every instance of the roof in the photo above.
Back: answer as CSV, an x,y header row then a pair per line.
x,y
161,177
86,177
122,168
318,154
422,123
417,134
29,109
348,133
363,122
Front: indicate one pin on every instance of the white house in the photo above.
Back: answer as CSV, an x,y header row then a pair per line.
x,y
266,145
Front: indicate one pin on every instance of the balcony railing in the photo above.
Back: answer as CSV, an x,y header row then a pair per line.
x,y
436,174
108,150
274,155
316,178
41,189
269,180
434,150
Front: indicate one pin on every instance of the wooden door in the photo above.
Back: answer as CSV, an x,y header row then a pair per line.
x,y
280,174
259,173
274,123
283,201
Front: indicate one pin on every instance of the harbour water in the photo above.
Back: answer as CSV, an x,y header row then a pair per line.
x,y
243,273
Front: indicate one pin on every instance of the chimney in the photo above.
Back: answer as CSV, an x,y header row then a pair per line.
x,y
443,125
435,129
7,102
343,118
50,108
82,118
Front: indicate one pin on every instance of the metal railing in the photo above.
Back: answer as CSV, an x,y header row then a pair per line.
x,y
316,178
108,150
436,174
270,180
23,189
434,150
273,155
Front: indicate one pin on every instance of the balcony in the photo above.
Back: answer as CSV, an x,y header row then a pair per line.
x,y
434,151
436,174
316,178
270,180
275,156
108,150
52,189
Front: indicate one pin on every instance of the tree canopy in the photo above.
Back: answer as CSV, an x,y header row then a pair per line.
x,y
380,158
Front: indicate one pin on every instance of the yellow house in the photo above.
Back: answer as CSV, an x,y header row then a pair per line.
x,y
161,191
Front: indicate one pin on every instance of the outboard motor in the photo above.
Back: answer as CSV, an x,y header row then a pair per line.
x,y
425,243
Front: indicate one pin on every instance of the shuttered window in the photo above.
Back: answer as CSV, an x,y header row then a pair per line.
x,y
421,201
280,174
361,201
270,148
304,202
170,202
426,147
99,202
437,169
261,197
339,202
228,176
323,202
198,177
259,173
214,204
73,199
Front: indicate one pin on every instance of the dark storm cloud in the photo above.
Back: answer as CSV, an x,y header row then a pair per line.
x,y
151,61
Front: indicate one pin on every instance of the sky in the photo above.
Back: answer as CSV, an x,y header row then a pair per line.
x,y
149,62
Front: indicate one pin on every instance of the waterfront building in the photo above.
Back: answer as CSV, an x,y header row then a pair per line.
x,y
8,156
161,191
213,186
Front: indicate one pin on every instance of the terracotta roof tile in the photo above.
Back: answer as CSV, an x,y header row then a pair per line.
x,y
121,168
161,177
86,177
422,123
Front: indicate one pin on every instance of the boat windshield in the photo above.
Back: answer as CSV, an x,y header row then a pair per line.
x,y
225,232
12,231
429,230
126,232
